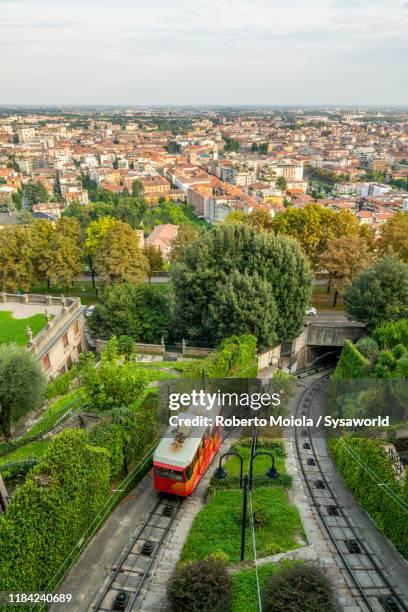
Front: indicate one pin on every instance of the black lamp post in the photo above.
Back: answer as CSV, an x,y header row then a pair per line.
x,y
245,483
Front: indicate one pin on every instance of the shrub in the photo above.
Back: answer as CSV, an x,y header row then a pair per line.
x,y
51,511
352,364
61,385
391,334
107,434
235,357
17,469
301,587
398,351
126,430
368,347
112,384
364,463
203,585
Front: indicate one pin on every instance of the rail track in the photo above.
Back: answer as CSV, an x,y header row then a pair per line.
x,y
135,565
372,586
122,588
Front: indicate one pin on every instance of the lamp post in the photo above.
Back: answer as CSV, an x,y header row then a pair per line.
x,y
245,483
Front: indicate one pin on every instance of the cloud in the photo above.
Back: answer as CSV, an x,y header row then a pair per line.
x,y
113,52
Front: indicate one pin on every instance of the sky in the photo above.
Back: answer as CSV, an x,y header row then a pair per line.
x,y
220,52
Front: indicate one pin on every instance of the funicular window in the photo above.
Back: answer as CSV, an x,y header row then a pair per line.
x,y
189,471
190,468
168,473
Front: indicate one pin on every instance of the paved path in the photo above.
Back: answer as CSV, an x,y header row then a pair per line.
x,y
23,311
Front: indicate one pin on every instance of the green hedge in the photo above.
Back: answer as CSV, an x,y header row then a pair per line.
x,y
124,429
391,334
235,357
384,502
352,364
50,512
17,469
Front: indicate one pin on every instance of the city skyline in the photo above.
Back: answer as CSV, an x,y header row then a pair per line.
x,y
326,53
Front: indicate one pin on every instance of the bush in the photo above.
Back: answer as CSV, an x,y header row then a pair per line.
x,y
368,347
126,430
107,434
112,384
391,334
235,357
204,585
299,588
363,463
17,469
61,385
398,351
51,511
352,364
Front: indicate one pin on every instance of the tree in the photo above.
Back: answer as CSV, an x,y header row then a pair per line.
x,y
259,219
139,311
379,294
173,147
22,385
231,145
43,232
95,233
209,261
137,189
185,235
35,193
119,257
314,225
154,257
130,210
65,257
344,258
111,384
394,236
17,270
245,305
234,217
281,183
25,217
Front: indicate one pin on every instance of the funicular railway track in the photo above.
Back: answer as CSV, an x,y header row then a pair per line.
x,y
136,564
123,586
372,587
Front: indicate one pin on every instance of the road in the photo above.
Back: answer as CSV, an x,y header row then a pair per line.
x,y
327,316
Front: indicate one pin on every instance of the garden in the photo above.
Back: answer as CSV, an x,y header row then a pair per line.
x,y
14,330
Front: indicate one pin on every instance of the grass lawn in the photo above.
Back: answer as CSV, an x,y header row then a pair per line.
x,y
162,287
85,290
153,375
217,527
13,330
54,411
181,366
137,403
261,464
322,300
82,289
245,594
28,451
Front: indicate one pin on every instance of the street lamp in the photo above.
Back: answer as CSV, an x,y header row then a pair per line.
x,y
245,483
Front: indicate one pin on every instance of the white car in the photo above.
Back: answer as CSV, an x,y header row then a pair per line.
x,y
89,310
311,311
